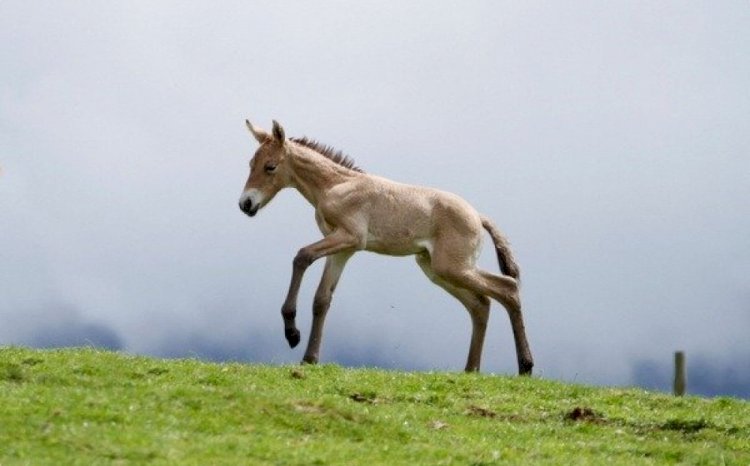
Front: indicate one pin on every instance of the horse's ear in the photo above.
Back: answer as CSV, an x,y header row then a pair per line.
x,y
259,134
278,132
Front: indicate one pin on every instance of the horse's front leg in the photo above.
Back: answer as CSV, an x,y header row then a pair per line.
x,y
337,242
331,273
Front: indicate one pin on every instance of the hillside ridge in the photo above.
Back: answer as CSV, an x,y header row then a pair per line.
x,y
84,406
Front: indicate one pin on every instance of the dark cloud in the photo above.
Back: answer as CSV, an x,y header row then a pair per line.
x,y
217,348
369,354
652,375
55,326
68,334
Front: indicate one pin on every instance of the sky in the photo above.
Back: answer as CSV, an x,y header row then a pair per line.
x,y
609,140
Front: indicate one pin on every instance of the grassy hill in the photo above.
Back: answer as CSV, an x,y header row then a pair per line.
x,y
84,406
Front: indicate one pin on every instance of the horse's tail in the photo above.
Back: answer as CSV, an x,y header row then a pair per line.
x,y
508,265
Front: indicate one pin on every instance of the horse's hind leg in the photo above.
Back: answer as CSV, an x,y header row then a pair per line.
x,y
461,272
512,304
478,306
504,290
331,273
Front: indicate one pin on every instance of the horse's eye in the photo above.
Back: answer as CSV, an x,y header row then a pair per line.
x,y
270,168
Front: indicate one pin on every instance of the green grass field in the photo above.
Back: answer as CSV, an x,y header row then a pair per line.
x,y
84,406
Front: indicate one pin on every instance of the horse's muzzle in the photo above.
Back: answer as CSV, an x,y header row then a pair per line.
x,y
247,206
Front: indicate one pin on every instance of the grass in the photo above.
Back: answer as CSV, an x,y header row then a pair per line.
x,y
84,406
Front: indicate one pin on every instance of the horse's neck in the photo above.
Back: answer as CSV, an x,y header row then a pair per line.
x,y
314,174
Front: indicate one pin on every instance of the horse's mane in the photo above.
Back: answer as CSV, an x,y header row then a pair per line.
x,y
328,152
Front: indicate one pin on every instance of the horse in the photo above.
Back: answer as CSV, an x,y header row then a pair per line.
x,y
356,211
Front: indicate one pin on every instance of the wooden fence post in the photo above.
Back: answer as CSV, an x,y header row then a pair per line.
x,y
680,378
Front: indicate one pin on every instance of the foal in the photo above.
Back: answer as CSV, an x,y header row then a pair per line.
x,y
356,211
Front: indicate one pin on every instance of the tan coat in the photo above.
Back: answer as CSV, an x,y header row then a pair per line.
x,y
357,211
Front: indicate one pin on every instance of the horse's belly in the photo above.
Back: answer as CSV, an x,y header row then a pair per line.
x,y
394,246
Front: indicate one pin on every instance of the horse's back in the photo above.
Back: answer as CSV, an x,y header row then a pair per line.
x,y
401,219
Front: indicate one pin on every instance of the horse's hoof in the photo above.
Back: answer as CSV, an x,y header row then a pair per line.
x,y
292,336
524,367
309,360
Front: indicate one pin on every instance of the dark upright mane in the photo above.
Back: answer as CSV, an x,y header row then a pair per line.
x,y
328,152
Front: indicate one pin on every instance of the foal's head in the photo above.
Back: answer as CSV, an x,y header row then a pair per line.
x,y
268,171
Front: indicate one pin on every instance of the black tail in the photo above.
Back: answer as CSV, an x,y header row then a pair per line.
x,y
508,265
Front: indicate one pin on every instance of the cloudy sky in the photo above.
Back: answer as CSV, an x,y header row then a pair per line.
x,y
610,140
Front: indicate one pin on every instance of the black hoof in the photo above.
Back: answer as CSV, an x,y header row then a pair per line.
x,y
292,336
309,360
524,367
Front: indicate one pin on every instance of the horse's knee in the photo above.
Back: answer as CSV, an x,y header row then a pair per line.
x,y
303,259
321,303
